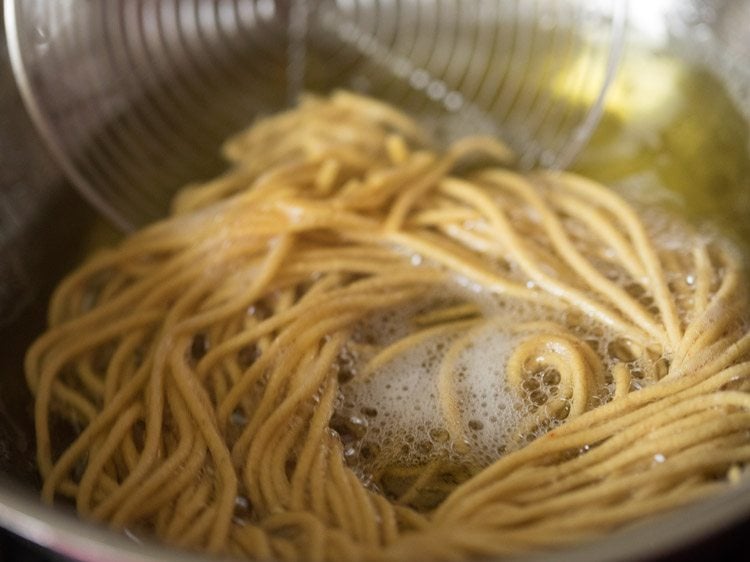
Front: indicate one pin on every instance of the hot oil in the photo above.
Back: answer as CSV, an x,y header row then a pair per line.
x,y
671,135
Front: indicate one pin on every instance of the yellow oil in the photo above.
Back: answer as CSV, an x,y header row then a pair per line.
x,y
669,125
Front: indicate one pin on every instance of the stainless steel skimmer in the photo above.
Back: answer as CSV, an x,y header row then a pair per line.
x,y
133,97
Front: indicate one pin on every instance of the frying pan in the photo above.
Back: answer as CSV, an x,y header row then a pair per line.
x,y
46,226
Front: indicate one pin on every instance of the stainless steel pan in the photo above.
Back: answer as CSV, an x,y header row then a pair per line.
x,y
45,227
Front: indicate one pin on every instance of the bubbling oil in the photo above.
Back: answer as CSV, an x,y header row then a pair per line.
x,y
672,143
390,415
671,135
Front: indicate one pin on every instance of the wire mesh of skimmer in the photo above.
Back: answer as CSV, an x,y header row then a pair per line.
x,y
134,96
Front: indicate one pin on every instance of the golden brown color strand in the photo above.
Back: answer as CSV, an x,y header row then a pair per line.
x,y
203,361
